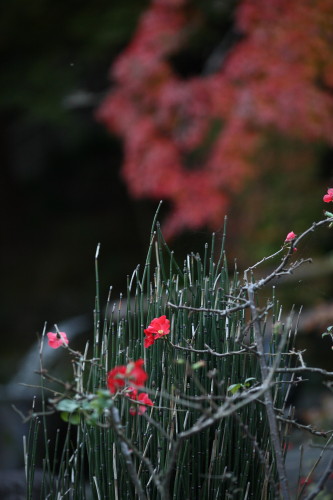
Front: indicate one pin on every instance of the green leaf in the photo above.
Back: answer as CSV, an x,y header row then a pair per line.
x,y
70,418
67,405
328,214
86,405
248,380
235,388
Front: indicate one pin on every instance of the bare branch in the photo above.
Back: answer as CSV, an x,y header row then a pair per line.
x,y
302,369
265,259
221,312
302,427
280,269
209,350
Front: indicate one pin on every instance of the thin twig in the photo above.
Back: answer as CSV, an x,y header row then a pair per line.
x,y
302,427
265,259
209,350
301,369
220,312
280,269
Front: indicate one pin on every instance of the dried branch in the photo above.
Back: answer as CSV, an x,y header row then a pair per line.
x,y
302,427
301,369
265,259
221,312
211,351
280,269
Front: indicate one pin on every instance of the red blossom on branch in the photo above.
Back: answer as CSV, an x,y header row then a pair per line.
x,y
135,373
329,196
142,398
290,236
57,339
132,373
157,329
116,378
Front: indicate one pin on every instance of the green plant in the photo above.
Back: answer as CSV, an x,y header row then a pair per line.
x,y
218,381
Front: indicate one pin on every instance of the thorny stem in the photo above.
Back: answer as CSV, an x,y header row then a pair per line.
x,y
209,350
221,312
280,269
301,369
303,427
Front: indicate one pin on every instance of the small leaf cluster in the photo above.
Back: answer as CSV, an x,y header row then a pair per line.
x,y
234,388
92,408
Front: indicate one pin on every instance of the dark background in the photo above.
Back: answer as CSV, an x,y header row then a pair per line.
x,y
60,189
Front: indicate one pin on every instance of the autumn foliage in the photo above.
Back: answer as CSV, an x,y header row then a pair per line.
x,y
193,141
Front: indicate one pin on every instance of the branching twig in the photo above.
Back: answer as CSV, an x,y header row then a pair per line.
x,y
301,369
220,312
265,259
209,350
280,269
302,427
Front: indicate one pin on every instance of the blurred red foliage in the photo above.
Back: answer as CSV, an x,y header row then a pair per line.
x,y
193,141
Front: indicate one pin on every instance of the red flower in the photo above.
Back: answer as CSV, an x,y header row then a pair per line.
x,y
57,339
149,339
157,329
329,196
116,378
143,398
290,236
133,373
132,393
